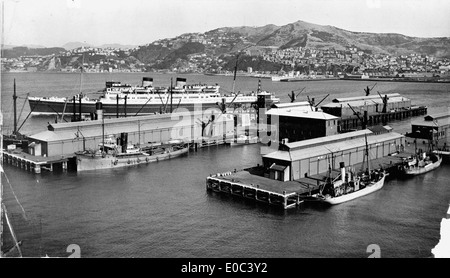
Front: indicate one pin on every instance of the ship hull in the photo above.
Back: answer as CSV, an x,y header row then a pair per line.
x,y
244,141
351,196
49,107
422,170
87,162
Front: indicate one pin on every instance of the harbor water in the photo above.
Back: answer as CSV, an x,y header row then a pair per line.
x,y
163,209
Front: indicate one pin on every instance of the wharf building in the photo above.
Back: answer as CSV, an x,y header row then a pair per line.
x,y
296,121
68,138
312,157
379,110
433,127
55,148
302,122
431,132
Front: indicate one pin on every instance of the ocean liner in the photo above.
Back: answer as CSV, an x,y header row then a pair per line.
x,y
145,99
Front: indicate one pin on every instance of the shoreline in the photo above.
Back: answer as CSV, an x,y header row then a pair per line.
x,y
250,76
394,80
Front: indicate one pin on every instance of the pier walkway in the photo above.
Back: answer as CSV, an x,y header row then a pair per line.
x,y
36,164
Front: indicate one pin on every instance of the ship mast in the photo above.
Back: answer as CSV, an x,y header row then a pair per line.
x,y
103,135
15,109
171,93
81,74
367,154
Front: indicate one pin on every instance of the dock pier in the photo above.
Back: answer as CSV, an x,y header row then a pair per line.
x,y
36,164
256,192
352,122
251,184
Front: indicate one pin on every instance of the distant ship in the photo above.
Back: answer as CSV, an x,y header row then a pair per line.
x,y
121,99
244,140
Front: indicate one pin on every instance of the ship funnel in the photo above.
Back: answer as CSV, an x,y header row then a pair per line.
x,y
342,166
180,82
147,82
124,141
99,110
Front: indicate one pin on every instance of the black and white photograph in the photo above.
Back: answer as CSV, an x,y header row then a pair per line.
x,y
241,131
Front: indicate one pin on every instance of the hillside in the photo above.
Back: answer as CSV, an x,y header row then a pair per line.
x,y
305,34
298,46
224,43
18,51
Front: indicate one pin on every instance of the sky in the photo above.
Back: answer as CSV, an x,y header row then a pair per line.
x,y
137,22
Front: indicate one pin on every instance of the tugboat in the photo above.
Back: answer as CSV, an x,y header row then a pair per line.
x,y
351,185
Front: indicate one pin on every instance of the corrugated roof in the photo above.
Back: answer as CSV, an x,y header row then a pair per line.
x,y
157,117
302,104
301,113
328,139
46,136
437,116
278,167
376,96
357,103
76,130
379,128
433,123
325,149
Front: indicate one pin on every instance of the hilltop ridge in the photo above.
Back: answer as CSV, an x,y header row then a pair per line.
x,y
299,46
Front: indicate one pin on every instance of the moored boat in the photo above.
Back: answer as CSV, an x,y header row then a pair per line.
x,y
425,163
244,140
110,156
351,185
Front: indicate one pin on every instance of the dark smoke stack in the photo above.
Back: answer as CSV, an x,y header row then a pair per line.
x,y
147,82
180,82
99,109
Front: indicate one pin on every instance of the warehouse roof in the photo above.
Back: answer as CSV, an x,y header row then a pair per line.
x,y
86,129
325,149
46,136
358,98
328,139
434,120
437,116
364,102
156,117
300,113
300,104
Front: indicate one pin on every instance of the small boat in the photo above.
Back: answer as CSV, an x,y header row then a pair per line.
x,y
425,163
350,185
342,191
244,140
